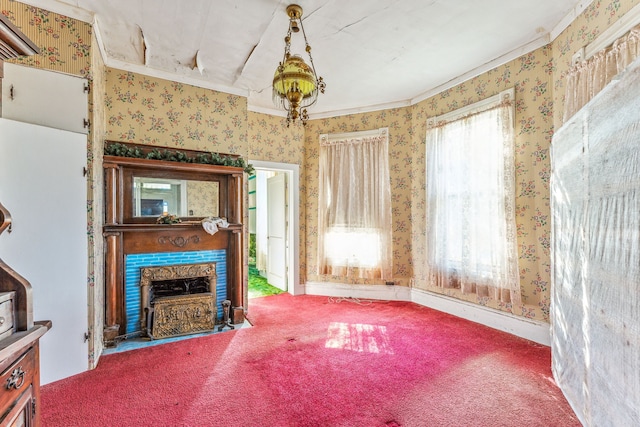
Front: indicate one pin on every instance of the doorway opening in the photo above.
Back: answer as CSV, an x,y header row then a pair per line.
x,y
273,229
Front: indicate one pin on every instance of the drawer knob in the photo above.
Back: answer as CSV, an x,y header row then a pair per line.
x,y
1,320
16,380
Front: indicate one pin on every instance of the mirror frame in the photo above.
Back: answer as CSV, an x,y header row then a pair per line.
x,y
128,174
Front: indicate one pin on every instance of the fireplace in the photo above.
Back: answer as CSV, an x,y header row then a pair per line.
x,y
134,241
178,299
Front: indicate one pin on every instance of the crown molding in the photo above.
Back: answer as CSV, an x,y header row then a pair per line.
x,y
63,9
508,57
568,19
86,16
152,72
359,110
266,110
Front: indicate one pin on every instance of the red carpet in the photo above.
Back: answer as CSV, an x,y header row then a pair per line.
x,y
311,362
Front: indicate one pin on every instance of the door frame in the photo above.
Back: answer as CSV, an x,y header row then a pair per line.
x,y
293,229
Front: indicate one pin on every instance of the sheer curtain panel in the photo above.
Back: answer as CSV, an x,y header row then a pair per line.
x,y
471,230
354,224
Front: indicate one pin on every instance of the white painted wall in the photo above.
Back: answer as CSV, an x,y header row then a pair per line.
x,y
42,186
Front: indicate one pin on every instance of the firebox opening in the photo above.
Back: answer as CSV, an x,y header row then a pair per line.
x,y
175,287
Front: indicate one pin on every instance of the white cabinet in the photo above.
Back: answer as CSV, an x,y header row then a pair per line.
x,y
42,185
45,98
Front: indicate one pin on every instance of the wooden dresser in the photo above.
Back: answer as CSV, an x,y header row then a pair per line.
x,y
19,351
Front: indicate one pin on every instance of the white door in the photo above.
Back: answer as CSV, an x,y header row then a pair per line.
x,y
43,187
277,231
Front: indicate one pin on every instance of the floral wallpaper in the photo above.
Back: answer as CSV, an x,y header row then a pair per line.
x,y
271,140
530,75
64,43
399,122
202,198
595,19
65,46
147,110
538,81
152,111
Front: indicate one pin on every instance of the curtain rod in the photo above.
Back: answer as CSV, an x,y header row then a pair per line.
x,y
330,137
476,107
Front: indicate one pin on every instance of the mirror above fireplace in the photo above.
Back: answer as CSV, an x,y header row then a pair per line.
x,y
153,197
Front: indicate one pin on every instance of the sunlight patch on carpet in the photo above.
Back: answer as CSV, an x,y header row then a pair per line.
x,y
358,337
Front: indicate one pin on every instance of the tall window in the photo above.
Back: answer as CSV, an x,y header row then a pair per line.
x,y
354,224
471,231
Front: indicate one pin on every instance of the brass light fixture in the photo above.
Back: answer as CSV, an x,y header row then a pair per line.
x,y
296,84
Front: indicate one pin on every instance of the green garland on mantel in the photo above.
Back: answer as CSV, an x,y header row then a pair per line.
x,y
122,150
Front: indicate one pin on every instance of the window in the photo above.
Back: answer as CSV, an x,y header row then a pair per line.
x,y
471,231
354,224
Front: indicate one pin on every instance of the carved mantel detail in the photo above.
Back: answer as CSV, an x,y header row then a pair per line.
x,y
178,241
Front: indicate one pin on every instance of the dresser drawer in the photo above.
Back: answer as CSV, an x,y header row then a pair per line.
x,y
21,413
6,314
17,377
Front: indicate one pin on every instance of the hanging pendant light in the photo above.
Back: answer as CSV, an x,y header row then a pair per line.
x,y
295,83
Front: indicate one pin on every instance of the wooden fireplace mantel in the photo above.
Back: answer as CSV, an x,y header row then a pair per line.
x,y
126,233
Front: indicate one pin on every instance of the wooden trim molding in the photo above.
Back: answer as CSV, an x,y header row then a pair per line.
x,y
13,43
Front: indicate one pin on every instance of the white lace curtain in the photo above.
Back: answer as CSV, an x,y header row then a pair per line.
x,y
354,223
471,229
589,77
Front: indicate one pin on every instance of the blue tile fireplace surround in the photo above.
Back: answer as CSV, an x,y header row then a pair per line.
x,y
134,262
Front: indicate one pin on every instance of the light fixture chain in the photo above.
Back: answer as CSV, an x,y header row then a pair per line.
x,y
313,67
296,84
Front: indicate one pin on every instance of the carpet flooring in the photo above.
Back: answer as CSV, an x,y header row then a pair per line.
x,y
314,361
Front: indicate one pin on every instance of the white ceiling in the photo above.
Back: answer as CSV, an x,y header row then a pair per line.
x,y
371,54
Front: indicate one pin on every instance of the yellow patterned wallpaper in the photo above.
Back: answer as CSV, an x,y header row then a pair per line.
x,y
530,75
202,198
398,121
538,80
158,112
270,140
65,43
152,111
596,18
